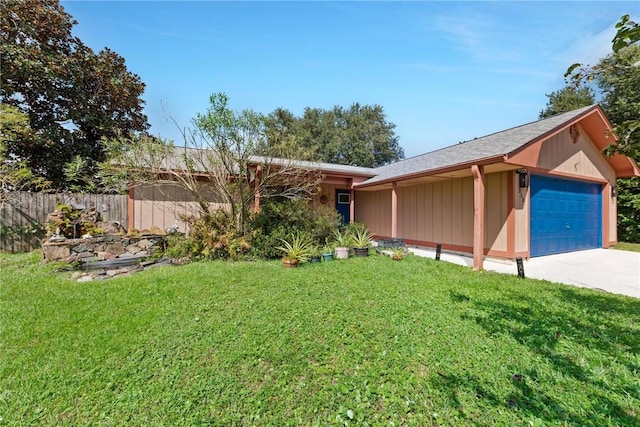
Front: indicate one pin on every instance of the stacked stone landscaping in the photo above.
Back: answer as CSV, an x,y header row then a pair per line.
x,y
102,248
105,255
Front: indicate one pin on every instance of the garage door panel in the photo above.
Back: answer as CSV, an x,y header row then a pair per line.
x,y
565,215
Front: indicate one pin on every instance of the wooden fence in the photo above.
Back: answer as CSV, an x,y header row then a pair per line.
x,y
22,220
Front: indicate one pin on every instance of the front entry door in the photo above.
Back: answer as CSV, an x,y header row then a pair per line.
x,y
343,205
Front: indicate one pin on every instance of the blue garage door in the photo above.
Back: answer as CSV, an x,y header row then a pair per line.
x,y
565,215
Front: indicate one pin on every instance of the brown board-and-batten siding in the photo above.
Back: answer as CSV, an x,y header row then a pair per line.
x,y
22,220
164,204
440,212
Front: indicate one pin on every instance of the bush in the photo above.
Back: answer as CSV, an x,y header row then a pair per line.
x,y
282,219
629,210
211,236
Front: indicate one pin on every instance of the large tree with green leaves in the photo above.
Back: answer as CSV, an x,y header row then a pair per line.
x,y
617,79
14,173
359,135
567,99
225,160
72,96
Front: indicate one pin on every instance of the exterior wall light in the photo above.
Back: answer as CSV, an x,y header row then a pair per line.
x,y
523,178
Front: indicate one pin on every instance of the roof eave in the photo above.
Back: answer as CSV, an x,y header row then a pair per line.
x,y
459,166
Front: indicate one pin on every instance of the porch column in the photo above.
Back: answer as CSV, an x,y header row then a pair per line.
x,y
394,210
352,203
606,211
478,216
256,186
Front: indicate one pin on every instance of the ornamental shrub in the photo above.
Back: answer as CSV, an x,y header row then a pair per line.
x,y
282,219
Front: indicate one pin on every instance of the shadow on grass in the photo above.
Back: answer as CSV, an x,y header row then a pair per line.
x,y
599,332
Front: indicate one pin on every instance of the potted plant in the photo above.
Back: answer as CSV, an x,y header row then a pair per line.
x,y
296,250
361,238
314,254
327,253
398,252
342,241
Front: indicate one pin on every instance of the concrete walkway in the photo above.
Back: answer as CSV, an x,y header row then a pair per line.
x,y
609,270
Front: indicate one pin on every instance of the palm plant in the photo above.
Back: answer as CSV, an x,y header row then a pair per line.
x,y
341,240
361,238
299,247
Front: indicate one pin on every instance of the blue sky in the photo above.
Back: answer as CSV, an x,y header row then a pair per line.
x,y
443,71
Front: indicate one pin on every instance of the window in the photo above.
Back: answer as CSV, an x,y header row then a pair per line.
x,y
344,198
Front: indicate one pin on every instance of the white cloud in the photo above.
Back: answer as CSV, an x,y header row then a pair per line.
x,y
590,47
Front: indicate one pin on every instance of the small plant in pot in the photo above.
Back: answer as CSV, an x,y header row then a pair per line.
x,y
342,242
295,250
315,254
361,238
399,252
327,253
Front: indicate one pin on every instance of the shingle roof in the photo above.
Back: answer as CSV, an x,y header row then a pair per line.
x,y
486,147
323,167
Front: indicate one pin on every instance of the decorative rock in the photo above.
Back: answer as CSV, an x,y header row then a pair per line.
x,y
105,255
116,248
72,259
144,243
92,251
83,247
56,252
110,227
126,255
85,255
133,249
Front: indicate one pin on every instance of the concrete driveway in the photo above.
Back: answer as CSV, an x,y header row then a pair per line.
x,y
609,270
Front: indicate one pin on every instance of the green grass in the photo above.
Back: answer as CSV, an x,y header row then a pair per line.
x,y
624,246
366,341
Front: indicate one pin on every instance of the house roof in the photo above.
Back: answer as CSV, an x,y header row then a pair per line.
x,y
202,159
491,147
494,148
328,168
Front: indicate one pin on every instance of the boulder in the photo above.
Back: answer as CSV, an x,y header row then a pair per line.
x,y
56,252
116,248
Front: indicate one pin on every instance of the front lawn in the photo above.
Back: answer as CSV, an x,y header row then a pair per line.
x,y
624,246
357,342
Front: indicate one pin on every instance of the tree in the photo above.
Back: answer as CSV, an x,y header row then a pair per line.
x,y
619,81
617,77
225,159
567,99
72,96
359,136
14,174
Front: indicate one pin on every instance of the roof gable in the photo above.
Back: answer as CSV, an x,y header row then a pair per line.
x,y
492,148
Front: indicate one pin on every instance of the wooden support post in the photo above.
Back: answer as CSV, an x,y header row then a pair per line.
x,y
394,210
478,216
352,205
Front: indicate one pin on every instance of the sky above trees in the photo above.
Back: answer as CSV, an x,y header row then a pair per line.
x,y
443,71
